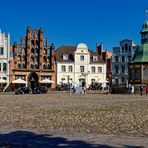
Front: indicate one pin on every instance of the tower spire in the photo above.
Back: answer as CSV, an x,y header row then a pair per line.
x,y
146,14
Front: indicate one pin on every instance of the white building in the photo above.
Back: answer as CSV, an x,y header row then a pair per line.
x,y
79,65
121,57
4,60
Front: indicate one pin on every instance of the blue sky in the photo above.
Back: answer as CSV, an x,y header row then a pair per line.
x,y
68,22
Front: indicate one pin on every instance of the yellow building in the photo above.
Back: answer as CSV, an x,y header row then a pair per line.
x,y
79,66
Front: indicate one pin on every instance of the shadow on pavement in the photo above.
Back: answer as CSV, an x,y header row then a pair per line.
x,y
27,139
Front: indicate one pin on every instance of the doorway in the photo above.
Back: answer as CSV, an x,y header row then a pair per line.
x,y
82,82
33,80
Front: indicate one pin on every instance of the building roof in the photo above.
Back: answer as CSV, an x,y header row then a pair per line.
x,y
141,54
109,54
69,50
82,46
145,27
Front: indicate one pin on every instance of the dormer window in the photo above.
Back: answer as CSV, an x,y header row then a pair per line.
x,y
82,57
95,58
65,56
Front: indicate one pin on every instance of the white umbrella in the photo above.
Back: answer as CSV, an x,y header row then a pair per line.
x,y
19,81
103,81
3,81
46,81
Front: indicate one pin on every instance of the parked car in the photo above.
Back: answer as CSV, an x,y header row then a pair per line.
x,y
39,90
23,90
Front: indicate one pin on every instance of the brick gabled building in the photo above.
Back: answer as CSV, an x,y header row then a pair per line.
x,y
33,60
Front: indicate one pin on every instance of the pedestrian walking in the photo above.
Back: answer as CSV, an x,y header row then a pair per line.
x,y
129,89
141,89
132,89
146,89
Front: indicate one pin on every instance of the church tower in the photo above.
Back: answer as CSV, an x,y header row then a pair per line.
x,y
138,68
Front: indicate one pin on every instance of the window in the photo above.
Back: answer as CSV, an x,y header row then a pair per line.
x,y
19,50
95,58
4,67
99,69
63,67
5,78
32,59
44,59
122,48
63,79
65,56
23,65
82,58
116,58
129,58
20,77
116,69
19,65
32,50
129,48
0,66
1,51
32,66
69,68
48,66
44,66
93,69
36,66
81,68
123,79
126,47
123,58
123,69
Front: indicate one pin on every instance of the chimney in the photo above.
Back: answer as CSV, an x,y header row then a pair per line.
x,y
99,49
104,55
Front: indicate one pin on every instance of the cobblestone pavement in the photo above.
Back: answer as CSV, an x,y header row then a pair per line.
x,y
91,120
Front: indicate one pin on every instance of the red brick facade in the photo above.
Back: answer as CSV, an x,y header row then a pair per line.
x,y
33,59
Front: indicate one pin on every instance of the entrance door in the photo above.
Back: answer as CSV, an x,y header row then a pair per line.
x,y
82,82
33,80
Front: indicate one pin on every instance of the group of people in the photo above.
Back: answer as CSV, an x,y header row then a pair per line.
x,y
78,90
131,89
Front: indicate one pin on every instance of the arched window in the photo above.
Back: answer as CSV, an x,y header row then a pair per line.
x,y
129,48
23,58
23,66
48,51
19,50
19,65
126,47
45,51
32,33
32,42
32,66
36,50
44,42
122,48
32,59
37,42
44,66
44,59
36,66
48,67
19,57
36,58
32,50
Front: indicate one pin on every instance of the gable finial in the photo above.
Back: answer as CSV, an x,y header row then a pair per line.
x,y
146,14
